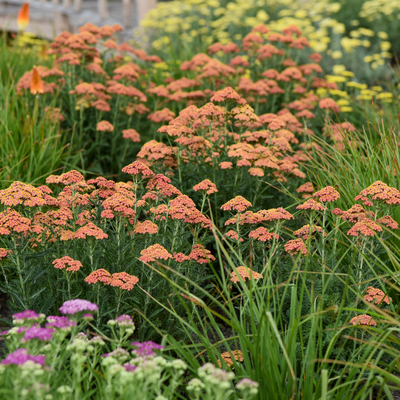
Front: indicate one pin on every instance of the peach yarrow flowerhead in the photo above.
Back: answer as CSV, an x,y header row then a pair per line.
x,y
261,234
105,126
296,246
354,213
274,214
376,296
233,235
146,227
131,134
207,186
12,221
100,275
238,204
379,191
227,358
121,280
388,221
363,320
137,168
90,230
364,227
154,252
22,193
226,165
68,178
244,273
4,253
227,94
61,263
180,257
305,231
201,255
326,195
311,204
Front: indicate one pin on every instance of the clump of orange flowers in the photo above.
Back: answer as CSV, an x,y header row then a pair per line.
x,y
154,252
206,186
227,358
376,296
244,273
67,262
238,204
121,280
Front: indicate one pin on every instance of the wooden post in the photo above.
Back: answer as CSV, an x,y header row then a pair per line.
x,y
78,5
67,3
56,1
127,10
102,5
143,7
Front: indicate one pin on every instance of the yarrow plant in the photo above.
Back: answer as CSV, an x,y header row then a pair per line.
x,y
57,365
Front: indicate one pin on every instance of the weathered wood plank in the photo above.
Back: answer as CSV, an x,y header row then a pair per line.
x,y
51,17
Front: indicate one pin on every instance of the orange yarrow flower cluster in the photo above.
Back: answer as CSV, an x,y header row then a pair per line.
x,y
68,178
262,235
131,134
311,204
88,230
296,246
154,252
61,263
4,253
233,235
13,222
121,280
305,231
244,273
227,358
138,168
207,186
22,193
105,126
326,195
363,320
146,227
275,214
238,204
376,296
379,191
201,255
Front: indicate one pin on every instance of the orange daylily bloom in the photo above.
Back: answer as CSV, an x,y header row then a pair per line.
x,y
36,82
23,17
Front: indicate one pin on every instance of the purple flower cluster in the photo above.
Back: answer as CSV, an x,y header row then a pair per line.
x,y
27,315
36,332
129,367
146,348
60,322
117,353
124,320
75,306
21,356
